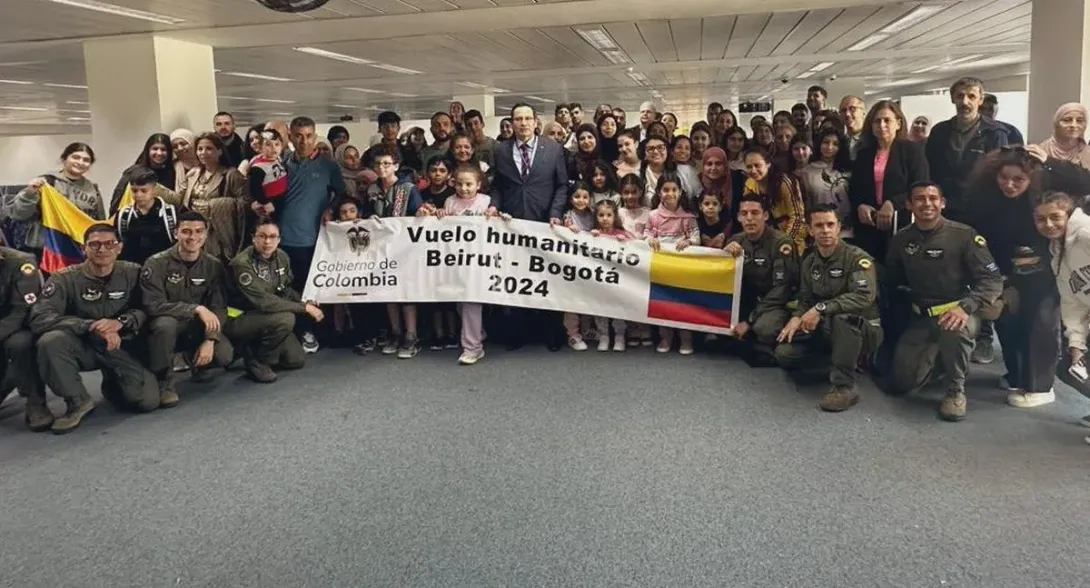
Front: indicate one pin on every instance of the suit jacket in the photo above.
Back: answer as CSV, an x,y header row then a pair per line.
x,y
543,195
907,165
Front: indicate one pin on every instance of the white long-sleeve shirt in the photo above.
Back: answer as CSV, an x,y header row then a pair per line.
x,y
1071,264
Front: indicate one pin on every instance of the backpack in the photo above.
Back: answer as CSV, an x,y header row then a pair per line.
x,y
168,213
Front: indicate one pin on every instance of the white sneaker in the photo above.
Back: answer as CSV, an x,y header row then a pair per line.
x,y
686,349
1030,399
310,343
603,344
619,345
663,347
1005,385
577,344
471,357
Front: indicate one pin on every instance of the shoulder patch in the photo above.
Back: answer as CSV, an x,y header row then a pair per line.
x,y
27,269
245,279
979,241
145,273
785,249
865,263
49,289
30,298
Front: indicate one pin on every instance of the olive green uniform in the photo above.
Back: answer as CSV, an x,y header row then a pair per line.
x,y
263,291
769,279
71,301
172,290
20,287
847,285
946,267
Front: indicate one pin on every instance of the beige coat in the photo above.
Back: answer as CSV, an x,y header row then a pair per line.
x,y
223,198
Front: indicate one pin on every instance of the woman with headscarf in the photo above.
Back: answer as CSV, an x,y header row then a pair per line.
x,y
185,156
348,158
921,126
1068,140
608,130
581,162
156,156
717,178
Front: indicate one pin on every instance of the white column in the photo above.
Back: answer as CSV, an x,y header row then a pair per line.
x,y
841,87
485,103
144,85
1059,61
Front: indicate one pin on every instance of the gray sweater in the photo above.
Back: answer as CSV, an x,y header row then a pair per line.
x,y
27,205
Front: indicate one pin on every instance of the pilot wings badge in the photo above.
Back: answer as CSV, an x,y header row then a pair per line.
x,y
359,239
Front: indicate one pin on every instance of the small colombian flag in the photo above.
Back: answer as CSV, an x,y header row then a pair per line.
x,y
693,289
63,225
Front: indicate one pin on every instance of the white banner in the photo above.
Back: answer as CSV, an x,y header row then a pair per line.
x,y
521,263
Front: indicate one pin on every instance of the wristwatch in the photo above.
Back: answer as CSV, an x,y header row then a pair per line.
x,y
125,321
820,307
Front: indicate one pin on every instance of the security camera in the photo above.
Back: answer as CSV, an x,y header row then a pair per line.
x,y
784,81
832,77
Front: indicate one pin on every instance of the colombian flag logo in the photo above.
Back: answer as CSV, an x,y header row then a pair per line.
x,y
693,289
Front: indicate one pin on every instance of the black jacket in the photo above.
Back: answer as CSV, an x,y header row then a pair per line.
x,y
906,166
950,170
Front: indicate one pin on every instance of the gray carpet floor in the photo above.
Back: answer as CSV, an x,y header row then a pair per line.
x,y
538,469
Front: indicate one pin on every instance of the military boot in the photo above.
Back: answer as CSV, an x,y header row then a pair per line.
x,y
168,397
201,375
38,417
838,399
953,406
260,372
71,420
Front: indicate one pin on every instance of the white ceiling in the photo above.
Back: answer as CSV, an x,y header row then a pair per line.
x,y
689,51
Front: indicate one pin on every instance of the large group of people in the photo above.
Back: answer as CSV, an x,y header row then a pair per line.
x,y
868,244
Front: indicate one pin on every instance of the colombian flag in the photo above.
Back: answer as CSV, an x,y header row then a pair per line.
x,y
697,290
63,225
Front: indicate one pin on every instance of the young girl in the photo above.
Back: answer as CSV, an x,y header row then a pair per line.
x,y
603,183
714,226
671,222
468,201
579,217
607,223
781,190
634,216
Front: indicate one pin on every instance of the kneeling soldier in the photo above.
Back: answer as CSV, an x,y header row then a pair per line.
x,y
769,276
262,276
952,276
186,300
838,309
20,286
87,318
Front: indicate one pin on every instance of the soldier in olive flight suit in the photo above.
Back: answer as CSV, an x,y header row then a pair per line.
x,y
20,287
838,309
184,292
952,276
87,318
261,277
769,273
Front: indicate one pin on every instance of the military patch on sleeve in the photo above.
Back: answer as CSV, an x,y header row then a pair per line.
x,y
992,267
979,241
785,249
865,263
27,269
245,279
49,289
30,298
145,273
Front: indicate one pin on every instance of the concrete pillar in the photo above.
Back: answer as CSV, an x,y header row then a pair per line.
x,y
485,103
1059,61
144,85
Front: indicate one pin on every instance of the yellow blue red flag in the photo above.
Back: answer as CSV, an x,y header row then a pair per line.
x,y
693,289
63,225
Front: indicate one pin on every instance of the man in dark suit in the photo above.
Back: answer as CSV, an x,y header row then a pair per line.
x,y
530,183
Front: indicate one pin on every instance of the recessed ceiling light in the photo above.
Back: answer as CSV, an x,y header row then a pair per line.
x,y
868,41
78,119
822,66
366,90
919,13
402,95
17,82
242,74
72,86
540,99
73,110
331,55
343,106
805,74
77,102
395,68
274,100
616,56
25,108
121,11
281,113
598,38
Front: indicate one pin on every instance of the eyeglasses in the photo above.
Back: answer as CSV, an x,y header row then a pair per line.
x,y
656,148
266,237
386,164
99,245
